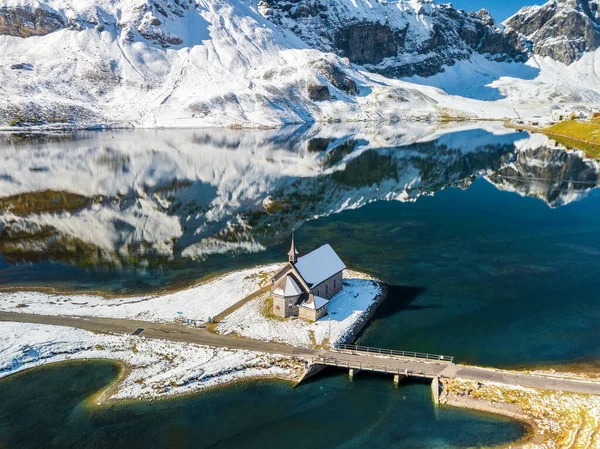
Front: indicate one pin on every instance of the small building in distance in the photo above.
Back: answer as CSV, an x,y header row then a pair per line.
x,y
304,286
594,116
560,116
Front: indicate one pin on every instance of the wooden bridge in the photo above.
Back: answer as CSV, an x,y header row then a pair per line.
x,y
400,364
404,364
368,351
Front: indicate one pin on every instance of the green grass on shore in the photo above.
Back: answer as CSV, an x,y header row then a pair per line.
x,y
578,134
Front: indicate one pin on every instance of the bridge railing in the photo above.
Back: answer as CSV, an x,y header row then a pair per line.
x,y
395,353
364,366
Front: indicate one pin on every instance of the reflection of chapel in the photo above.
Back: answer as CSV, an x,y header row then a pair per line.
x,y
305,284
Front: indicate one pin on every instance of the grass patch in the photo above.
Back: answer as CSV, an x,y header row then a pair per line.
x,y
313,341
266,309
263,278
170,357
450,115
581,135
588,131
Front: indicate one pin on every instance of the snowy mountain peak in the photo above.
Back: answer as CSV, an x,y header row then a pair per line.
x,y
562,29
397,39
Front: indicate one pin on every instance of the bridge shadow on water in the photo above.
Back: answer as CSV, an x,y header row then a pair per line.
x,y
332,373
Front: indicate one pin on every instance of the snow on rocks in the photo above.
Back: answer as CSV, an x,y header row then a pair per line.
x,y
197,303
559,419
158,368
347,310
209,63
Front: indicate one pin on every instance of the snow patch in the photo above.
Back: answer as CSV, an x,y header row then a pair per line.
x,y
197,303
158,368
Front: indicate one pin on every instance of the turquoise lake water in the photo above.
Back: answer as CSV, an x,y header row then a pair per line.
x,y
489,242
43,408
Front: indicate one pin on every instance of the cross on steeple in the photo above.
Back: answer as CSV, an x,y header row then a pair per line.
x,y
293,254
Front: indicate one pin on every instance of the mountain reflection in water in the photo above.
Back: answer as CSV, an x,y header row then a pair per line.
x,y
145,200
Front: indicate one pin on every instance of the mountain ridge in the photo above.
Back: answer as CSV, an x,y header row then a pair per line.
x,y
267,63
561,29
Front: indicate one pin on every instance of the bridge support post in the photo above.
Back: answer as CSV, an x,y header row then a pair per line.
x,y
435,390
398,378
352,372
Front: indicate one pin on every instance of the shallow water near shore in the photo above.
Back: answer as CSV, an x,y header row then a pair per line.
x,y
331,412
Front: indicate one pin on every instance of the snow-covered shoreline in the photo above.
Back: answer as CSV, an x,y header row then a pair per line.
x,y
197,303
157,368
251,126
557,419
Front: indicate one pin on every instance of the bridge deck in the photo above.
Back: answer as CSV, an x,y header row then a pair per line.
x,y
366,350
366,366
385,361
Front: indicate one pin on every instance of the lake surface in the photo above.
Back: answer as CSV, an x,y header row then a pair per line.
x,y
333,412
489,240
498,271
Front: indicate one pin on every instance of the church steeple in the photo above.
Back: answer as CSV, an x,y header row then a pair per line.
x,y
293,254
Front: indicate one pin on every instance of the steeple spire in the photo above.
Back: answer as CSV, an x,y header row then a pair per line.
x,y
293,254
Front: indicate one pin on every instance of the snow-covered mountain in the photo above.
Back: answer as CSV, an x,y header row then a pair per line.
x,y
166,63
563,30
131,197
396,39
252,63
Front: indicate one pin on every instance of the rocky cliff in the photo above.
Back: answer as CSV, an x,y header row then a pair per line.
x,y
172,63
25,22
396,39
140,19
186,63
561,29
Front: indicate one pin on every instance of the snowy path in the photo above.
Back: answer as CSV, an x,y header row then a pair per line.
x,y
172,332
